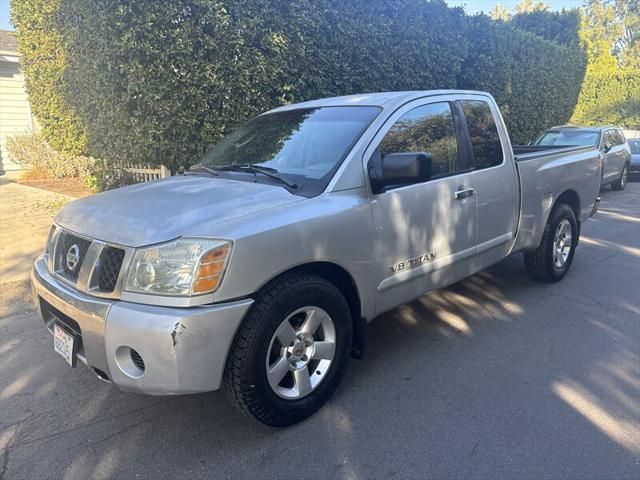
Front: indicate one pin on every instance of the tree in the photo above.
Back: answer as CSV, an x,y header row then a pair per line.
x,y
527,6
627,45
500,13
611,88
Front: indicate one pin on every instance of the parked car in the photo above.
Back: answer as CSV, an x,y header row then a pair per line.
x,y
634,146
258,270
616,155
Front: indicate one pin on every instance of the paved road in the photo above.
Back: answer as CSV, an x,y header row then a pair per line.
x,y
495,377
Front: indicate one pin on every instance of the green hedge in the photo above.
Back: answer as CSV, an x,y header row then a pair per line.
x,y
560,27
535,82
160,81
609,97
43,62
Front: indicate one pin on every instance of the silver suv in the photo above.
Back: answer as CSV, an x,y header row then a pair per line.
x,y
615,152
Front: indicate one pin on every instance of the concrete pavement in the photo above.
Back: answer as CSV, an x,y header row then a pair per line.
x,y
26,214
494,377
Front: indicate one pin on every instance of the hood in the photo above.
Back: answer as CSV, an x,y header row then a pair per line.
x,y
158,211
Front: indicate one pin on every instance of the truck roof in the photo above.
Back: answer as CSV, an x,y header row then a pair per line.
x,y
381,99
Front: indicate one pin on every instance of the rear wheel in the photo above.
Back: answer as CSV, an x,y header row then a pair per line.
x,y
551,261
622,181
290,352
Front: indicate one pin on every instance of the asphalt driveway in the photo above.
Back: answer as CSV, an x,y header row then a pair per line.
x,y
494,377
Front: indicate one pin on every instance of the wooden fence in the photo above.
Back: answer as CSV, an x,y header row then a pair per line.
x,y
146,173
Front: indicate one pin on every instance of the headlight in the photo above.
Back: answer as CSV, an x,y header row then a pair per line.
x,y
183,267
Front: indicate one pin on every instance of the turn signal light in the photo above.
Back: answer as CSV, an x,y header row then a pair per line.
x,y
211,270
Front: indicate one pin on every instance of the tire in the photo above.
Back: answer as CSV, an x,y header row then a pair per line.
x,y
296,300
545,263
621,183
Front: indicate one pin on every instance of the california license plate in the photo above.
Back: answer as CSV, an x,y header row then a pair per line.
x,y
64,344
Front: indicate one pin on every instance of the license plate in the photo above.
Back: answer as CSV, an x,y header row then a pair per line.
x,y
64,344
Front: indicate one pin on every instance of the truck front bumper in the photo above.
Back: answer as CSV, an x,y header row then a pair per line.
x,y
142,348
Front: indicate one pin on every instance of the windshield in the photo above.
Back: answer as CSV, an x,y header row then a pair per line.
x,y
305,146
569,137
635,146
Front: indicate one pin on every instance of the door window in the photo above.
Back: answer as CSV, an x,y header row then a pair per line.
x,y
485,140
608,138
428,129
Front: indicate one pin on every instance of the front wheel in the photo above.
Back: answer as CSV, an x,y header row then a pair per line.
x,y
290,351
622,181
551,261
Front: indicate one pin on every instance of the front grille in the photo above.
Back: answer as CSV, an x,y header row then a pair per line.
x,y
93,266
107,268
67,264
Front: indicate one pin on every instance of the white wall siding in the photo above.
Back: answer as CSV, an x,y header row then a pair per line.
x,y
15,112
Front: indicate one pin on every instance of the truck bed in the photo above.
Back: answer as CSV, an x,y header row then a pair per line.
x,y
545,173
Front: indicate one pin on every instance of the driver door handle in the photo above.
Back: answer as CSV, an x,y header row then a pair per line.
x,y
463,193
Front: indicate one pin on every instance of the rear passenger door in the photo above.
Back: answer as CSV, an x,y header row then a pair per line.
x,y
425,232
495,180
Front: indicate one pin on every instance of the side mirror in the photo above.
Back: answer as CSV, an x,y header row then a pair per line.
x,y
607,147
398,169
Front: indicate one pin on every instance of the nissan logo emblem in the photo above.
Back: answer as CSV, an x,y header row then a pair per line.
x,y
73,257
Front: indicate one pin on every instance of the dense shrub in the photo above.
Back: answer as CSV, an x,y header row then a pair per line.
x,y
32,151
158,82
43,62
560,27
107,176
535,82
609,96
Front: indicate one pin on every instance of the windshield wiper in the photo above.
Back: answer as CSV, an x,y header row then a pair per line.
x,y
253,168
198,167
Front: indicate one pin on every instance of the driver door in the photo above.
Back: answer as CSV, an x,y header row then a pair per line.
x,y
425,232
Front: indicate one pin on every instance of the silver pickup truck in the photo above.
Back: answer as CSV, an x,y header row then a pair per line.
x,y
258,269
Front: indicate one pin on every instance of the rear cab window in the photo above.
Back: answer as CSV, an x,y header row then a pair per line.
x,y
483,134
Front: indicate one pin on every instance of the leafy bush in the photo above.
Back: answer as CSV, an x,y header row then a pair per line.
x,y
107,176
158,82
609,96
32,151
535,82
43,62
560,27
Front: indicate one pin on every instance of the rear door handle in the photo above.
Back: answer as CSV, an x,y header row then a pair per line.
x,y
463,193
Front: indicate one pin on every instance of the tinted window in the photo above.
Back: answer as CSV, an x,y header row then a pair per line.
x,y
427,129
569,137
306,145
619,137
485,140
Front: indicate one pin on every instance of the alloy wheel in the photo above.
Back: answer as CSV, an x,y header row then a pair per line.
x,y
301,352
